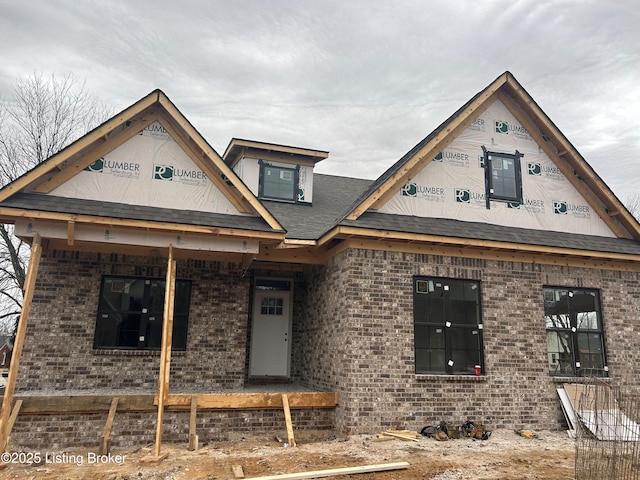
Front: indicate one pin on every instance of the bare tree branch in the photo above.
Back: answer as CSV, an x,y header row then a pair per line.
x,y
44,115
633,205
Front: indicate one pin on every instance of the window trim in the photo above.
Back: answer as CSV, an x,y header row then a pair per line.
x,y
488,158
144,316
261,177
573,331
447,326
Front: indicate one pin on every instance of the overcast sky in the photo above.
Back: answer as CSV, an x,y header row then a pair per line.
x,y
365,80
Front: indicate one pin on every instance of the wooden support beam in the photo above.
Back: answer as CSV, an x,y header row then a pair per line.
x,y
71,228
30,283
79,404
105,441
252,401
9,213
165,354
287,419
193,437
130,115
382,467
12,420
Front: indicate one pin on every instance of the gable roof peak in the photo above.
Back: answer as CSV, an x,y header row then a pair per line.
x,y
544,132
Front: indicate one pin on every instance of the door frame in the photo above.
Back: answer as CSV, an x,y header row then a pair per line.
x,y
278,286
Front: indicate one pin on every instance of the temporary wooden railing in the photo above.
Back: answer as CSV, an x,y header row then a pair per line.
x,y
32,273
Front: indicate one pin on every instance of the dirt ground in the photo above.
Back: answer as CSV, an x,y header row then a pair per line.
x,y
505,455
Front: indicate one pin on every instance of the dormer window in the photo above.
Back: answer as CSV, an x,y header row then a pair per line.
x,y
503,179
278,183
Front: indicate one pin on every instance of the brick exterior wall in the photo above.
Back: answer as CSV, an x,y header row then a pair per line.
x,y
58,352
360,328
57,432
352,333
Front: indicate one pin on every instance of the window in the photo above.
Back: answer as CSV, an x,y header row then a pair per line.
x,y
278,183
447,325
130,313
503,179
575,342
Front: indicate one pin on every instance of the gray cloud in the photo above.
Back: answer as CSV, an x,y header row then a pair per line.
x,y
365,80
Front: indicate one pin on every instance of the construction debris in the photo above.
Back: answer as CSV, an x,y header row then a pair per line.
x,y
526,434
596,408
237,470
444,431
336,471
406,435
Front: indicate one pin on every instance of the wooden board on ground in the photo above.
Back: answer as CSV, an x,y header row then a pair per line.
x,y
335,472
153,460
411,436
237,471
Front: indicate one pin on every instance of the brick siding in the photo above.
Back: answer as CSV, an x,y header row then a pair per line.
x,y
352,333
360,328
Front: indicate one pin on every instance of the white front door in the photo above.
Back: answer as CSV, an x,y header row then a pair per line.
x,y
270,334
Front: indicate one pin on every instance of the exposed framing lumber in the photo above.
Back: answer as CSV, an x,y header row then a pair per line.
x,y
105,441
251,401
79,404
12,421
144,251
287,419
247,146
7,213
71,228
353,237
401,436
381,467
165,355
193,437
32,273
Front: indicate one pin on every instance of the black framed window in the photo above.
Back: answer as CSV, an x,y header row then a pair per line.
x,y
278,183
447,326
575,340
130,313
503,177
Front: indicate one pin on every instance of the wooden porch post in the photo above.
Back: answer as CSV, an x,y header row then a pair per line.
x,y
29,287
165,354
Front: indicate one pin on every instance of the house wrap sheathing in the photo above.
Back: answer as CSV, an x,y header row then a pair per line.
x,y
484,268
